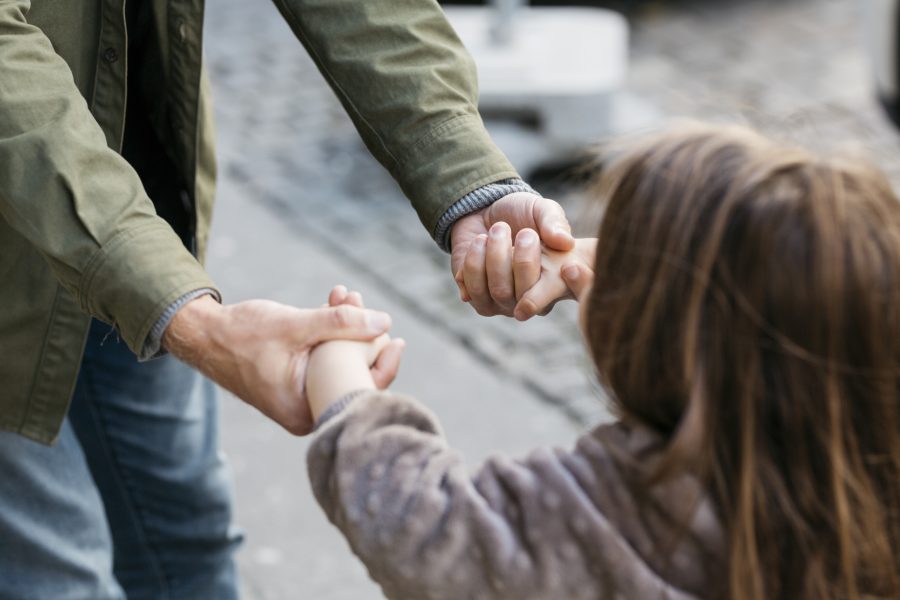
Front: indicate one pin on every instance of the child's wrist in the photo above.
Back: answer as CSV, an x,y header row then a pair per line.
x,y
337,406
334,372
322,403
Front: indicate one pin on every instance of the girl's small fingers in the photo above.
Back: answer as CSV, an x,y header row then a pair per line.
x,y
374,348
355,298
541,298
578,277
388,364
337,295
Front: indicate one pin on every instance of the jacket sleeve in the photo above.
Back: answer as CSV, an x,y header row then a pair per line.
x,y
545,527
409,85
74,199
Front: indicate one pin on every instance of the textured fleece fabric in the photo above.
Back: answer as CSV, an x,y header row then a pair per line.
x,y
556,525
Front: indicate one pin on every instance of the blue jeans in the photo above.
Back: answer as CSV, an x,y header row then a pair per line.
x,y
133,500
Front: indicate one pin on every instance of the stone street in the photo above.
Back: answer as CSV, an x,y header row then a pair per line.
x,y
302,207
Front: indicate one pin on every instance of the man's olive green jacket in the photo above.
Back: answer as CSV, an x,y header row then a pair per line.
x,y
79,234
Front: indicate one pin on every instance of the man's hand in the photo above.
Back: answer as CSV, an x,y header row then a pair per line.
x,y
259,350
385,363
490,277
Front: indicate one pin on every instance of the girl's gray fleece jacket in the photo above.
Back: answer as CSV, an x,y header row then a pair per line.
x,y
556,525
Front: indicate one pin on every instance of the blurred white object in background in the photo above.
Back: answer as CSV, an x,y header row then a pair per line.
x,y
550,78
882,24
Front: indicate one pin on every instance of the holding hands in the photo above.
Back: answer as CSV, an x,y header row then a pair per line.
x,y
340,367
507,258
260,350
291,363
537,277
491,277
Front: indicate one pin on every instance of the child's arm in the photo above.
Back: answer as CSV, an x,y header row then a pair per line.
x,y
555,525
339,368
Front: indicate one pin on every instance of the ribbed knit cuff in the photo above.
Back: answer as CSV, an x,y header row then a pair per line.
x,y
153,346
338,406
474,201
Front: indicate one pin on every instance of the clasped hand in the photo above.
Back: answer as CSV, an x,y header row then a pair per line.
x,y
521,279
340,367
260,350
273,357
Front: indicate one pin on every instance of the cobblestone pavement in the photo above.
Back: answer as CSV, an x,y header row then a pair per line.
x,y
795,68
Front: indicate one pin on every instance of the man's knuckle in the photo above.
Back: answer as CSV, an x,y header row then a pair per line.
x,y
473,263
502,292
484,310
477,289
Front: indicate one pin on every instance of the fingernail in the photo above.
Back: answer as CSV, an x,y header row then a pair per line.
x,y
378,321
527,239
570,272
497,230
480,241
560,231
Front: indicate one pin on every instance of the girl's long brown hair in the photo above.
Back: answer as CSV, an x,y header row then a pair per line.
x,y
747,306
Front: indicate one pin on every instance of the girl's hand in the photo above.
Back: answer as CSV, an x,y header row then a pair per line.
x,y
579,278
551,286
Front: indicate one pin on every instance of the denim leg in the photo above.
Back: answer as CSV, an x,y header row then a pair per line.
x,y
54,540
149,432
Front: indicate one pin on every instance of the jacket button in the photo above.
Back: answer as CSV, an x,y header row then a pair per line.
x,y
110,55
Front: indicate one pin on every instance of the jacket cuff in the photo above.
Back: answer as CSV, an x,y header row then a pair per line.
x,y
475,201
135,277
449,161
153,346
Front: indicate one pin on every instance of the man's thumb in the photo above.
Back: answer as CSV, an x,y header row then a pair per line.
x,y
348,322
553,226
